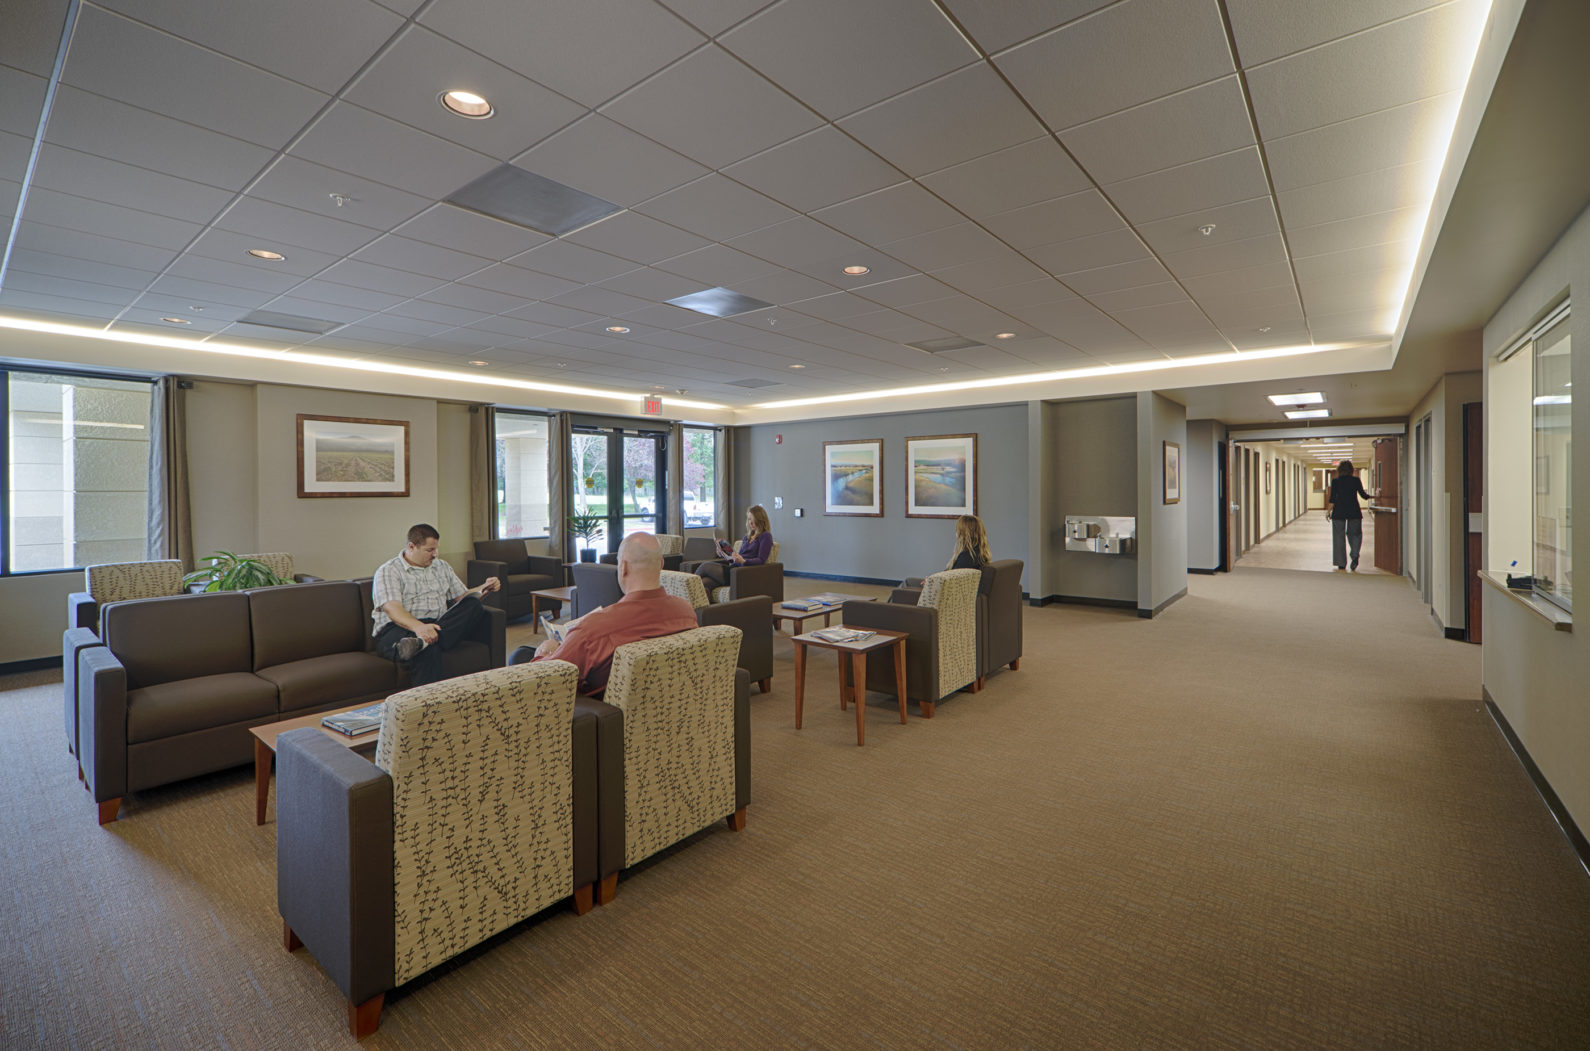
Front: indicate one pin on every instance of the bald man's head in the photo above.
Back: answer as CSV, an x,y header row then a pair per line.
x,y
639,563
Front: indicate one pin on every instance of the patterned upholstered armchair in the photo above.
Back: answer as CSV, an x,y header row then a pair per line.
x,y
941,654
753,616
999,614
281,563
686,741
520,572
744,581
360,875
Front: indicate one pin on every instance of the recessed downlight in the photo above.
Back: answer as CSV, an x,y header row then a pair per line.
x,y
797,366
857,270
1004,335
466,104
620,329
177,320
478,364
266,254
1311,398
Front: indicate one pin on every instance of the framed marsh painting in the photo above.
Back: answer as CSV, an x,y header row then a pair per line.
x,y
941,476
853,478
1173,472
348,456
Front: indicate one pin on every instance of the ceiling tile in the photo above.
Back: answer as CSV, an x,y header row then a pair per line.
x,y
839,56
1356,232
517,281
950,246
21,100
785,286
1385,139
307,187
1187,188
52,265
1089,253
417,257
718,266
425,310
512,327
716,208
1136,298
75,288
1201,122
1371,258
1231,222
559,39
1042,292
998,26
631,235
100,179
956,118
604,158
406,81
466,231
714,16
121,59
468,297
75,245
903,292
33,33
1119,57
648,283
711,107
258,277
1386,190
797,241
371,146
572,262
820,168
1279,334
1348,325
891,214
1277,274
54,308
271,222
230,247
603,302
1229,255
1265,30
1000,271
1137,273
198,292
1075,215
346,295
107,220
379,278
1034,171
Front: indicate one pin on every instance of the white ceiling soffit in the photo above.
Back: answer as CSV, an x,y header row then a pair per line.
x,y
1110,183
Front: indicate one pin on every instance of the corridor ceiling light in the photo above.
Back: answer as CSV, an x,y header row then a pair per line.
x,y
1004,335
1311,398
620,329
266,254
278,354
466,104
1308,414
857,270
177,320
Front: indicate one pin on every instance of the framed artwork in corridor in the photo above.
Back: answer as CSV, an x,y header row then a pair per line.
x,y
853,478
941,476
350,456
1173,472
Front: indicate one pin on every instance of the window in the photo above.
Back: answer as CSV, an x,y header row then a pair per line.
x,y
523,495
700,483
1552,420
76,455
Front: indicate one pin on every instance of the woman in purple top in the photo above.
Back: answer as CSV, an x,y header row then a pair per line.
x,y
755,549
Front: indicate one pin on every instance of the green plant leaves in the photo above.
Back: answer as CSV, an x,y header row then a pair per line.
x,y
226,571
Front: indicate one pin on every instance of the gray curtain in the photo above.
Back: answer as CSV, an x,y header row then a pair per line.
x,y
724,501
170,516
676,480
482,472
560,481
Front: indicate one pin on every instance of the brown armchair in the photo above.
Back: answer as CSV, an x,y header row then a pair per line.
x,y
941,653
999,614
519,571
753,616
744,581
595,584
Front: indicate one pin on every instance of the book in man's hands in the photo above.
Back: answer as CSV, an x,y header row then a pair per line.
x,y
842,634
359,721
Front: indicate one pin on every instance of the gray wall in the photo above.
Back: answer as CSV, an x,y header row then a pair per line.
x,y
892,547
1091,457
1200,466
1161,527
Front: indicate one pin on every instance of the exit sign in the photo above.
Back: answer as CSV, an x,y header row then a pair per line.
x,y
653,406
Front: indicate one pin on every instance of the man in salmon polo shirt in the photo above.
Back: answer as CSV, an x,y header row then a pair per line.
x,y
645,612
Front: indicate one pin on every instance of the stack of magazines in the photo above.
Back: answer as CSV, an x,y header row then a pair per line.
x,y
830,598
359,721
842,634
803,604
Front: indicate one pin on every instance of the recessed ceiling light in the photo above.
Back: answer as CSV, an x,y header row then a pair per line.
x,y
561,364
1207,229
1308,414
1266,328
1004,335
797,366
942,368
466,104
617,328
267,254
478,364
858,270
1311,398
177,320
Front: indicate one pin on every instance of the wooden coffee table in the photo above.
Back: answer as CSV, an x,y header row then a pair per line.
x,y
265,747
797,618
852,658
551,595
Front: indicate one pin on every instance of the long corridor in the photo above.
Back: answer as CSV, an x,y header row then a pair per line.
x,y
1305,543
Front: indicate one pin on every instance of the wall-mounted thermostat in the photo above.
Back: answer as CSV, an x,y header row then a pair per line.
x,y
800,512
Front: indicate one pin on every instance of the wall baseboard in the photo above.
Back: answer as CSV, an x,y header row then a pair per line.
x,y
1548,795
1205,572
1086,600
1150,614
35,664
1457,634
889,582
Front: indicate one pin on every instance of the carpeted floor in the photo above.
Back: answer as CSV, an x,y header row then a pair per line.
x,y
1305,543
1203,830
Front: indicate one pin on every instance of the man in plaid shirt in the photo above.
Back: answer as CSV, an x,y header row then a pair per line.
x,y
422,608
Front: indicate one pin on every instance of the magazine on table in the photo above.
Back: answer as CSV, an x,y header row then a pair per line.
x,y
359,721
842,634
805,605
830,598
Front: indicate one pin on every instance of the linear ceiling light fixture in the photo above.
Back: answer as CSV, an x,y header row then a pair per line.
x,y
1308,414
235,350
1126,368
1311,398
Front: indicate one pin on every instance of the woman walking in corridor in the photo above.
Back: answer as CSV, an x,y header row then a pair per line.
x,y
1347,518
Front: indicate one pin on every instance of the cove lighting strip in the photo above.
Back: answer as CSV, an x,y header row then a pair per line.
x,y
1128,368
297,357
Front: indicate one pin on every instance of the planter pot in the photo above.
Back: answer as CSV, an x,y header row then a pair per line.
x,y
587,554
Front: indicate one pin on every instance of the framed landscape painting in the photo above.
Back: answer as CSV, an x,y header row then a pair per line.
x,y
346,456
1173,472
941,476
853,478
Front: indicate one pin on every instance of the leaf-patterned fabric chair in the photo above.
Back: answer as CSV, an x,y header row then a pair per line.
x,y
281,563
753,616
941,654
470,820
686,740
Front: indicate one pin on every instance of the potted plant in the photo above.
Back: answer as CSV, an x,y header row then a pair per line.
x,y
588,528
229,572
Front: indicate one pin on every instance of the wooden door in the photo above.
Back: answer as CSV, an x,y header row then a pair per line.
x,y
1388,524
1473,490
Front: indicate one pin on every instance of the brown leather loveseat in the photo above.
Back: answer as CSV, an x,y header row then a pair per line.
x,y
178,681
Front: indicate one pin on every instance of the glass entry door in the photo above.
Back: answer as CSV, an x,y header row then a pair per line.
x,y
620,475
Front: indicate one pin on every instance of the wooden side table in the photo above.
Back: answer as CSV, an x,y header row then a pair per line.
x,y
265,748
559,595
852,671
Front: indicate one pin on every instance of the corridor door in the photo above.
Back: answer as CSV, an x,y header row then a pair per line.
x,y
1388,527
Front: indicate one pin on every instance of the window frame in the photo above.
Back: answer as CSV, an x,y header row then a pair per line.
x,y
1556,326
717,452
496,479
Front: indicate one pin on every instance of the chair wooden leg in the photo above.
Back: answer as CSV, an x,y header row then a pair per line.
x,y
977,684
290,940
737,820
108,809
606,889
927,709
766,684
583,897
364,1018
1015,665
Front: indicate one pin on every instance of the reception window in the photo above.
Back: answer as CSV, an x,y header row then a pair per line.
x,y
1552,427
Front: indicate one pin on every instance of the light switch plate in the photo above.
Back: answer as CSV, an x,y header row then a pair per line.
x,y
778,503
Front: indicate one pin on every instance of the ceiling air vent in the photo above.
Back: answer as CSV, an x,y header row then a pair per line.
x,y
939,346
291,322
753,383
532,201
719,302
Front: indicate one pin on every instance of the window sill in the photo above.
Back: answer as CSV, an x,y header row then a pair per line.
x,y
1559,618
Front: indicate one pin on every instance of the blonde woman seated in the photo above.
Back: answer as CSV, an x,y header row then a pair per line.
x,y
755,549
971,548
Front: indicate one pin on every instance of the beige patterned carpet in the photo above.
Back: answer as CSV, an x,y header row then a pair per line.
x,y
1305,543
1196,831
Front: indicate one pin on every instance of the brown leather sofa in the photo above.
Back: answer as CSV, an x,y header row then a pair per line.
x,y
519,571
179,680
